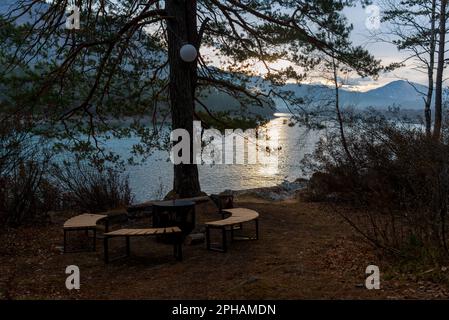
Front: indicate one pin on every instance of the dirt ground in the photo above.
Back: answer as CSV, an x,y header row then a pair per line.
x,y
304,252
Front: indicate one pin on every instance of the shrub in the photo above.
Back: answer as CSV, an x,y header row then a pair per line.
x,y
395,176
88,188
26,195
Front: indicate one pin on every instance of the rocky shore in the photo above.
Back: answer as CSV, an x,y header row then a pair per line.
x,y
286,190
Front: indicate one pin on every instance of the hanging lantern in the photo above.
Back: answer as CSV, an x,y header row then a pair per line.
x,y
188,53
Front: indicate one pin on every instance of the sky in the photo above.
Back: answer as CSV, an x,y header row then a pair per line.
x,y
362,36
386,52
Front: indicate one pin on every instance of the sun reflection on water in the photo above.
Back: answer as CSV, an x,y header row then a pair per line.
x,y
274,135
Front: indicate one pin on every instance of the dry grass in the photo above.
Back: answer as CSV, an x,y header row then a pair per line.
x,y
304,253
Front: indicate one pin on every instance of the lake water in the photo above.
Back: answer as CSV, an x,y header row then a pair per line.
x,y
153,178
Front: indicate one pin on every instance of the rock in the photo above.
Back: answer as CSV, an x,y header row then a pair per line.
x,y
117,216
194,238
252,279
59,248
286,190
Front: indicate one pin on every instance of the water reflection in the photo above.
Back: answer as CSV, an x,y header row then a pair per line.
x,y
290,144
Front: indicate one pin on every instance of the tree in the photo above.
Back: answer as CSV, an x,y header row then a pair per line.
x,y
135,45
183,83
440,70
415,28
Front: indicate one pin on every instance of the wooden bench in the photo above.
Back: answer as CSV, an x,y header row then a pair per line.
x,y
86,222
237,217
129,233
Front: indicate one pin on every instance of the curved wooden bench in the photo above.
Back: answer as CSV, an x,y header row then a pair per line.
x,y
128,233
85,222
237,217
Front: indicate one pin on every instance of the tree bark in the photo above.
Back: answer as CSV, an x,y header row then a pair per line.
x,y
430,69
182,29
440,69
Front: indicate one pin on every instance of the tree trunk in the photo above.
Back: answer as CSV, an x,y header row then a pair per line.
x,y
339,115
182,29
431,66
440,69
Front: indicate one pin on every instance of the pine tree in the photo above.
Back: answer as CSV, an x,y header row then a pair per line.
x,y
134,45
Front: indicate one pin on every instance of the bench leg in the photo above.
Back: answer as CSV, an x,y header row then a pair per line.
x,y
128,247
180,257
207,237
224,246
224,239
247,237
65,241
87,246
94,241
177,247
257,229
175,250
106,249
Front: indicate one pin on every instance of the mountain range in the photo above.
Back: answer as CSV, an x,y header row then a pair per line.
x,y
402,94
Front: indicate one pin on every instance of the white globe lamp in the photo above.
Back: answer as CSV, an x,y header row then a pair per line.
x,y
188,53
